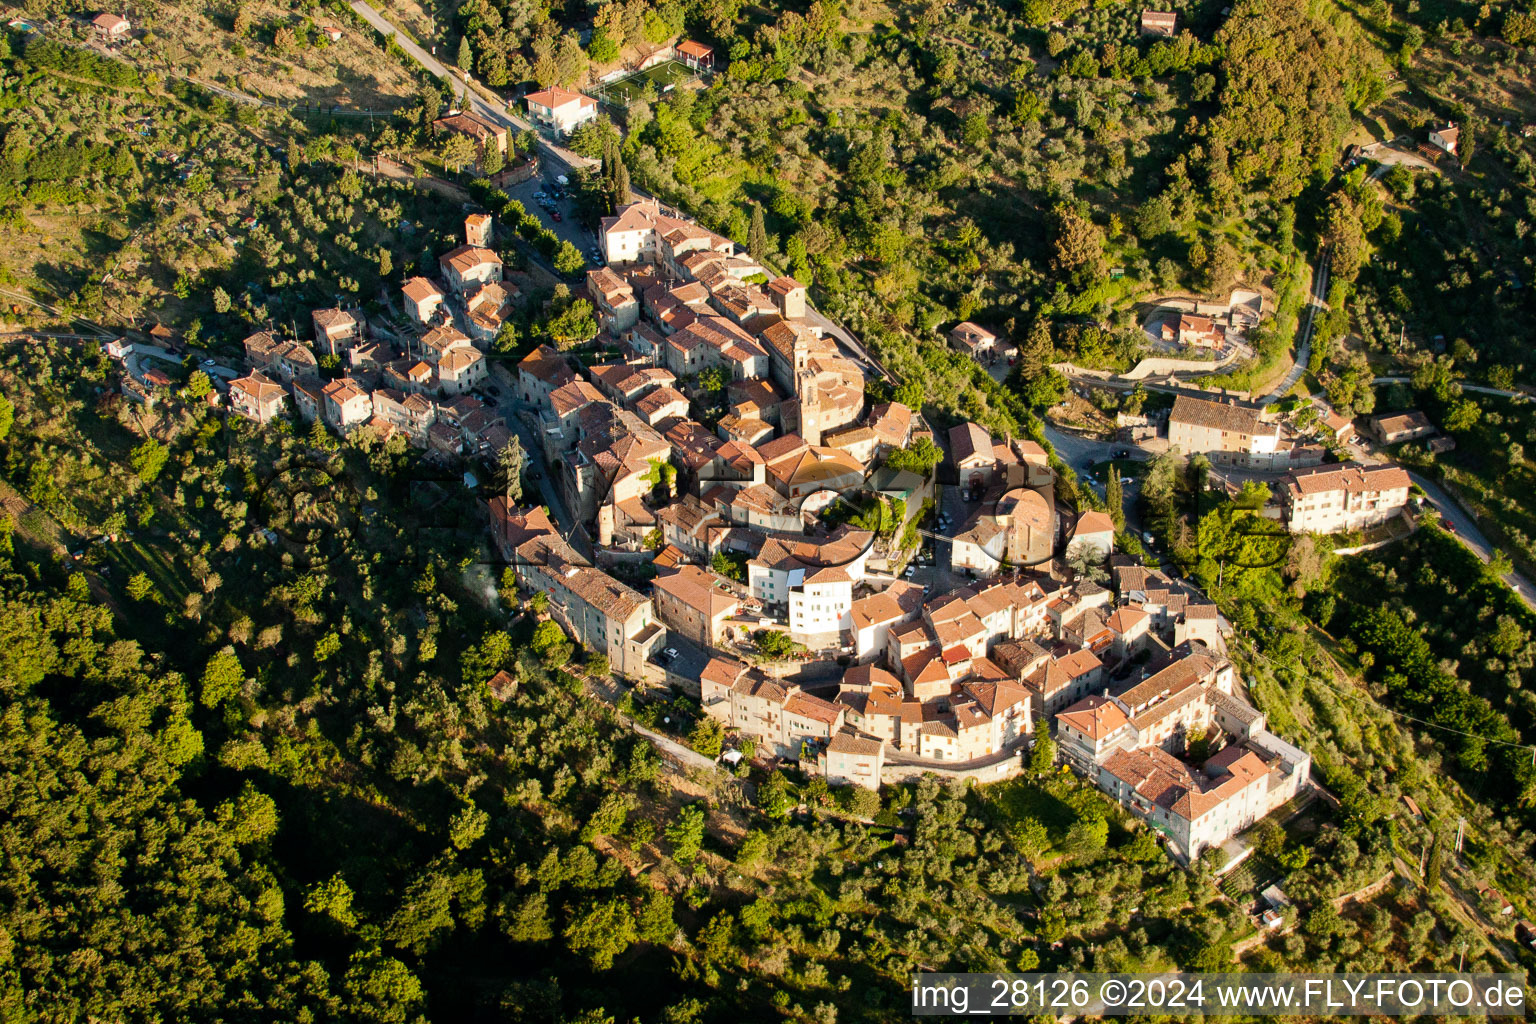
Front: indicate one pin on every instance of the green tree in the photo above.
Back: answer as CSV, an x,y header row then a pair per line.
x,y
1042,755
602,49
381,989
655,921
774,644
491,159
1114,497
220,300
601,931
775,796
251,817
1078,247
686,833
707,737
1037,351
199,385
609,818
457,152
223,677
467,826
569,260
140,586
919,456
509,463
331,898
466,58
148,459
757,234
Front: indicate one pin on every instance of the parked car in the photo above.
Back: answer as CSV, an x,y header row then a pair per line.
x,y
555,215
1122,453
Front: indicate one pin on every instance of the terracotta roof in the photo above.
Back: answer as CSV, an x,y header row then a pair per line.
x,y
343,390
469,123
1093,522
1232,418
555,97
722,671
334,317
690,48
1352,478
972,334
1126,618
698,589
258,388
659,399
572,397
459,359
467,257
419,289
855,745
1024,506
1095,717
814,708
547,365
967,441
603,592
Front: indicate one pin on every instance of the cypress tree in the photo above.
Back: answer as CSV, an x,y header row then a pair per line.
x,y
757,234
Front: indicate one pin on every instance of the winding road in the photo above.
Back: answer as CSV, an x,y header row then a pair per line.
x,y
493,110
1466,531
1304,341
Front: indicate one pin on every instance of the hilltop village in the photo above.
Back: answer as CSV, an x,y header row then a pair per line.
x,y
725,513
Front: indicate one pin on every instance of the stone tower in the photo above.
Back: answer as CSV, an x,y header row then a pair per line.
x,y
810,407
788,297
477,229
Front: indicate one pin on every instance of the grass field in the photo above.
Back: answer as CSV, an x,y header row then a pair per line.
x,y
664,77
130,557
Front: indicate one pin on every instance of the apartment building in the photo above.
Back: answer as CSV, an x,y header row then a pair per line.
x,y
257,397
1130,745
601,613
1335,499
1226,431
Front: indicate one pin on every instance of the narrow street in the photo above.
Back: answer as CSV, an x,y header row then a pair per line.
x,y
514,412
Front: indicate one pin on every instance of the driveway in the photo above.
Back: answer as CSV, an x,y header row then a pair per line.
x,y
1387,156
1304,343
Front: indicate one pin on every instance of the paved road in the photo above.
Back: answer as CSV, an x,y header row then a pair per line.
x,y
1479,388
493,110
1304,344
1470,536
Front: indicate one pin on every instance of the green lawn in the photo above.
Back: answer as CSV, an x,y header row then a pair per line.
x,y
130,557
